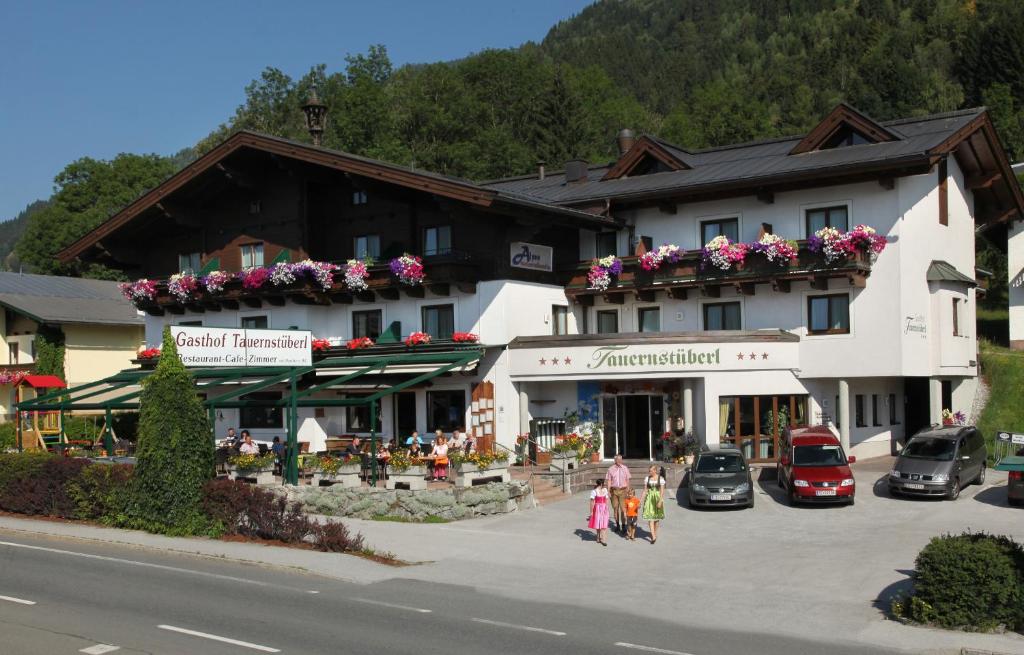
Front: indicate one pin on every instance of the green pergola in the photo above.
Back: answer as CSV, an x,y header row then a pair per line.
x,y
105,394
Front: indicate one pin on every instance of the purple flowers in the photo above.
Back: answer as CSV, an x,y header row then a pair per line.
x,y
602,270
408,269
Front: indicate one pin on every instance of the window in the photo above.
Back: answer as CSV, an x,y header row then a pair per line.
x,y
189,324
359,198
649,319
726,227
188,262
261,417
255,322
946,394
439,321
607,243
12,352
32,349
858,410
956,317
446,410
845,136
892,410
367,246
252,255
367,324
437,240
722,316
357,417
876,419
828,314
943,192
559,319
820,217
607,321
757,424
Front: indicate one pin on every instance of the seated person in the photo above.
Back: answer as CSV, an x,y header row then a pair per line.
x,y
414,439
248,447
354,449
414,449
278,449
458,439
384,452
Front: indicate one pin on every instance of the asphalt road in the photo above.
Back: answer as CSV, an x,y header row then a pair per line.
x,y
85,596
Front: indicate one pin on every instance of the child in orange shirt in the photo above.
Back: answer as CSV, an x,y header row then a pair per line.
x,y
632,504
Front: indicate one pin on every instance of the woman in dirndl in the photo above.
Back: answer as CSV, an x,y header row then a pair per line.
x,y
653,503
599,511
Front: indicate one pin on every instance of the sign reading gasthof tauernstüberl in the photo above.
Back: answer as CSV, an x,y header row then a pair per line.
x,y
531,256
210,346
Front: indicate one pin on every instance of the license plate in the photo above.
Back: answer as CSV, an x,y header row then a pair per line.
x,y
721,496
825,492
914,486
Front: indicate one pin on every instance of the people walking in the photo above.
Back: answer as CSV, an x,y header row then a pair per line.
x,y
632,504
599,512
653,503
617,479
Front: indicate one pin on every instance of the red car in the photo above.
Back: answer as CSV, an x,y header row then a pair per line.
x,y
814,469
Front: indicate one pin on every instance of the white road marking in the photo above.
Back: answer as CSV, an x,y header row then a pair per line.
x,y
649,649
20,601
226,640
391,605
520,627
99,649
162,567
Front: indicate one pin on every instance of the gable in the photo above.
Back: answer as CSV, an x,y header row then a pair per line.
x,y
644,158
844,126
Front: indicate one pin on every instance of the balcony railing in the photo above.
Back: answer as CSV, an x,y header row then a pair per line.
x,y
443,273
689,273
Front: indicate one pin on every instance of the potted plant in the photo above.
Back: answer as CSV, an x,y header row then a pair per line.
x,y
566,452
593,452
691,448
405,471
476,466
258,467
337,470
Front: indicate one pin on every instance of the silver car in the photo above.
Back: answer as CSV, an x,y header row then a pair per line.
x,y
939,461
721,478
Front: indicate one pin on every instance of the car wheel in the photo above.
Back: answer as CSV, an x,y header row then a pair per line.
x,y
1014,502
852,501
954,491
893,492
981,476
778,479
750,505
791,497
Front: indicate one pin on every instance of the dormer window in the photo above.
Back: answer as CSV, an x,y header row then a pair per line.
x,y
844,126
845,136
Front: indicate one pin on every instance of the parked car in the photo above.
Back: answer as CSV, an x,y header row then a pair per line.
x,y
813,468
721,478
939,461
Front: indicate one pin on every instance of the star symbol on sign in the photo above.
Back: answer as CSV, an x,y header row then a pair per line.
x,y
554,361
764,355
753,355
568,361
542,361
739,356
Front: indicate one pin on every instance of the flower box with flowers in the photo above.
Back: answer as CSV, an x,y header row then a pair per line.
x,y
359,343
417,339
405,472
321,346
329,470
252,467
602,271
465,337
408,269
480,468
721,255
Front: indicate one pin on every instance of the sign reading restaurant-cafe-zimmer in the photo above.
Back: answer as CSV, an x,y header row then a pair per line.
x,y
562,359
210,346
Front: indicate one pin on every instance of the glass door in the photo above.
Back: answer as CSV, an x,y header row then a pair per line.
x,y
608,421
754,424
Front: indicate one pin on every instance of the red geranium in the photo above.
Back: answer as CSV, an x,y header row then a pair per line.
x,y
361,342
149,353
465,337
321,345
417,339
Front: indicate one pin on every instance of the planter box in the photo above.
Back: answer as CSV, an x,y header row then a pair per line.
x,y
468,474
544,458
264,476
564,462
414,478
347,477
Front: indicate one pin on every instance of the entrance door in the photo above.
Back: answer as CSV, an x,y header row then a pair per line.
x,y
636,415
405,414
917,401
610,424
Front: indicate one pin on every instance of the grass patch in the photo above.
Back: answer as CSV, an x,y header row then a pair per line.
x,y
1004,371
405,519
994,325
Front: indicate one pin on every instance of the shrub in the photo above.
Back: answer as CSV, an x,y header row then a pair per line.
x,y
43,490
16,465
175,451
244,509
972,580
8,435
100,492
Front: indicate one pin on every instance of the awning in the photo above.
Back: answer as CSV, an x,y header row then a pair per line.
x,y
44,381
940,271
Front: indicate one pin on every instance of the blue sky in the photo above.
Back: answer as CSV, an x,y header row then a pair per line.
x,y
97,78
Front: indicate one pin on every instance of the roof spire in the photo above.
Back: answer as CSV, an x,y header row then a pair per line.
x,y
316,114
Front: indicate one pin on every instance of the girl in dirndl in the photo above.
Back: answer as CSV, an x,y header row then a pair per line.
x,y
599,511
653,504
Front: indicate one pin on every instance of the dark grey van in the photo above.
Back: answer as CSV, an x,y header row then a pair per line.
x,y
939,461
721,478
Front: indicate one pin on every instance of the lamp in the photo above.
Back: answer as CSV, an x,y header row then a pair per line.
x,y
316,113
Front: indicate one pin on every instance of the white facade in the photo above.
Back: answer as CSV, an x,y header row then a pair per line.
x,y
1015,266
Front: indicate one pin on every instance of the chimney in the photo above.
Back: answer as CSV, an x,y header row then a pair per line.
x,y
316,113
626,139
540,169
575,171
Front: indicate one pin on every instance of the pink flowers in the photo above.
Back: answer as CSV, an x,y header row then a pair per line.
x,y
602,270
356,274
254,278
139,291
149,353
864,239
723,254
321,345
776,249
183,285
361,342
321,272
651,261
417,339
464,337
408,268
835,245
13,378
214,281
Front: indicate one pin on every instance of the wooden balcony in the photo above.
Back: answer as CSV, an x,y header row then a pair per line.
x,y
443,275
687,275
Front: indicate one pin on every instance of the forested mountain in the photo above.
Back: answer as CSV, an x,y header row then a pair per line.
x,y
696,72
11,231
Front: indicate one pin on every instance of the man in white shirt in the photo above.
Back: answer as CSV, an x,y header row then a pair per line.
x,y
248,447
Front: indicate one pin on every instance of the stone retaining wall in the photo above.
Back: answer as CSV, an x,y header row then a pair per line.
x,y
453,503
